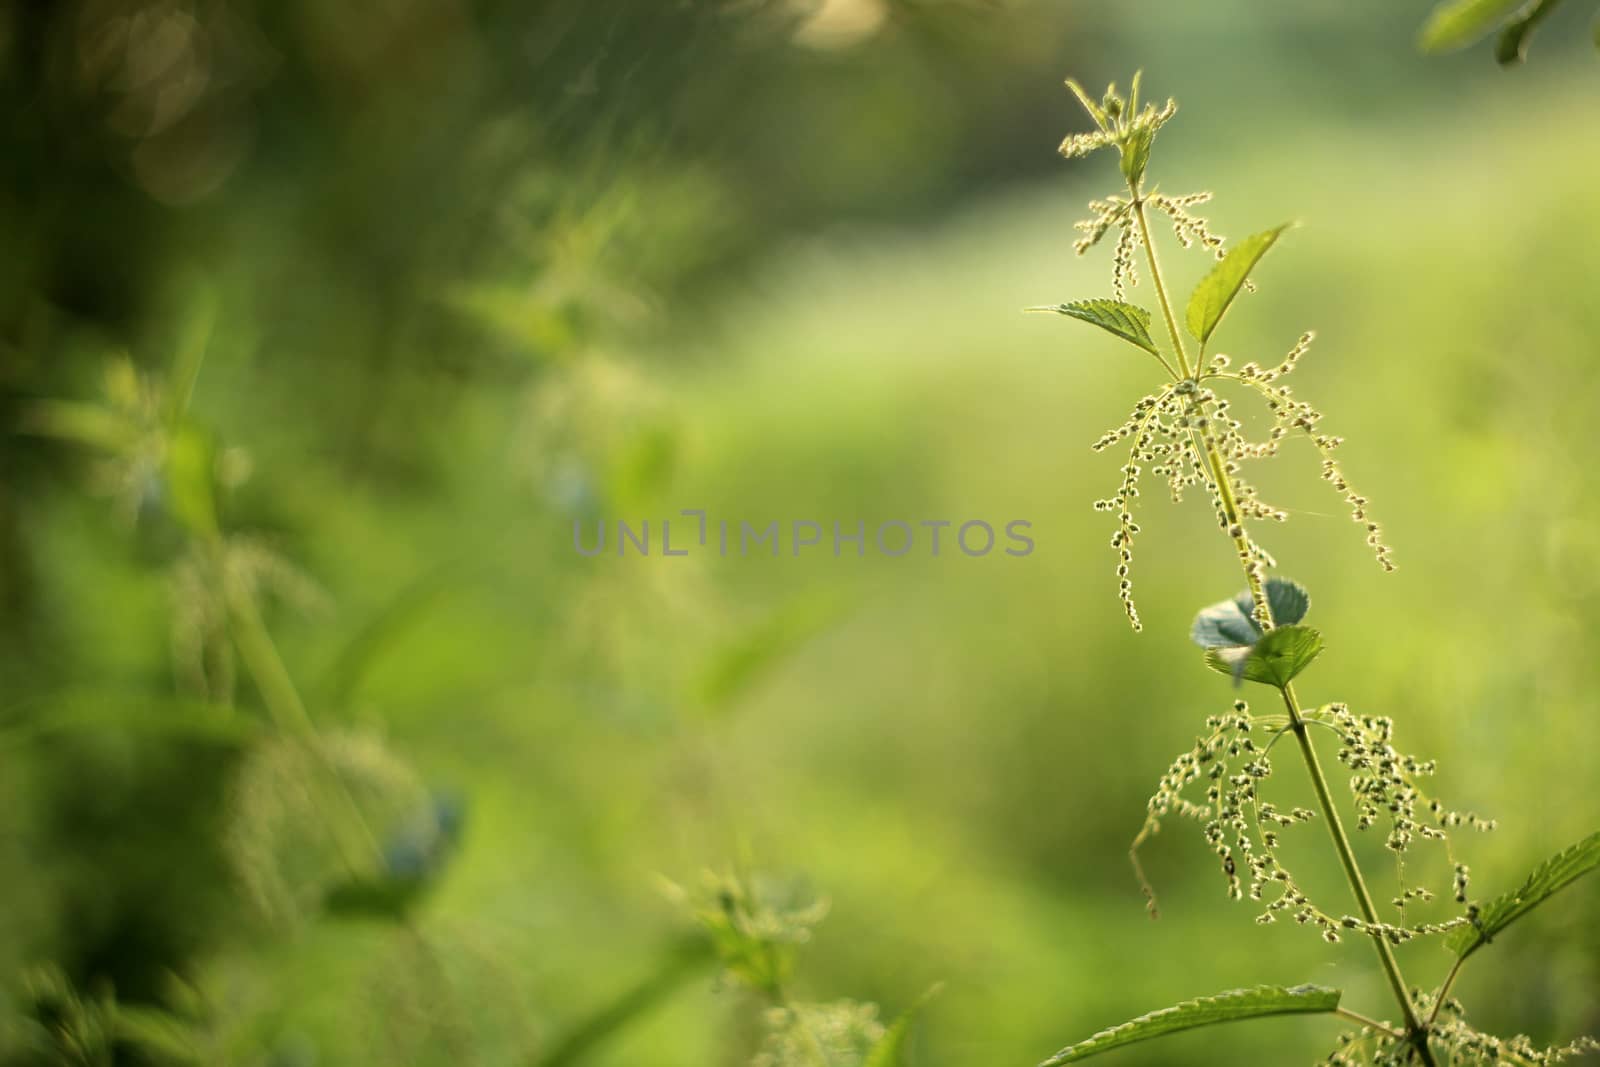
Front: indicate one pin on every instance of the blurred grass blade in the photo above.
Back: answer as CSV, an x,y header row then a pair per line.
x,y
192,346
1457,23
1214,294
1553,874
165,1037
891,1050
741,663
98,711
85,424
1126,321
354,661
683,961
1206,1011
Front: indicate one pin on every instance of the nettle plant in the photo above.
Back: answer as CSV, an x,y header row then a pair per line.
x,y
1187,433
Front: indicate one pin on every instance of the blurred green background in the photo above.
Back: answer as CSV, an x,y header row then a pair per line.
x,y
449,275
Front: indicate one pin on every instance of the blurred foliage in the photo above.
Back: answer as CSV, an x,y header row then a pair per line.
x,y
1456,24
320,323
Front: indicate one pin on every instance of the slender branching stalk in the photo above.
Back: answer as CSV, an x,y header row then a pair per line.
x,y
1185,431
1222,482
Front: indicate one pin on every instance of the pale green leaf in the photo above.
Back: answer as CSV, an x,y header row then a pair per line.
x,y
1206,1011
1136,154
1553,874
1211,298
1274,660
1126,321
1457,23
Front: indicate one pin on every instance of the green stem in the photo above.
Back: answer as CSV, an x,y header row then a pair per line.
x,y
1155,276
266,667
1230,515
1224,484
1352,870
1444,989
278,692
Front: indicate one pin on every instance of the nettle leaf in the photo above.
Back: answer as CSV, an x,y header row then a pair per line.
x,y
1232,622
1274,660
1457,23
1205,1011
1128,322
1553,874
1217,289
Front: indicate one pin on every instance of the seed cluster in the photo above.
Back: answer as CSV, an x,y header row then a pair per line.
x,y
1451,1036
1243,829
1173,432
1384,783
1189,229
1291,415
843,1032
1118,212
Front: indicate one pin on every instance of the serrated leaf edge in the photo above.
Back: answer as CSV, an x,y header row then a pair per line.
x,y
1527,896
1233,1005
1203,330
1130,322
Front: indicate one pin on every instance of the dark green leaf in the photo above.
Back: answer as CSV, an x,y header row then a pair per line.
x,y
1128,322
1457,23
1206,1011
1211,298
1513,44
1553,874
1274,660
1288,600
